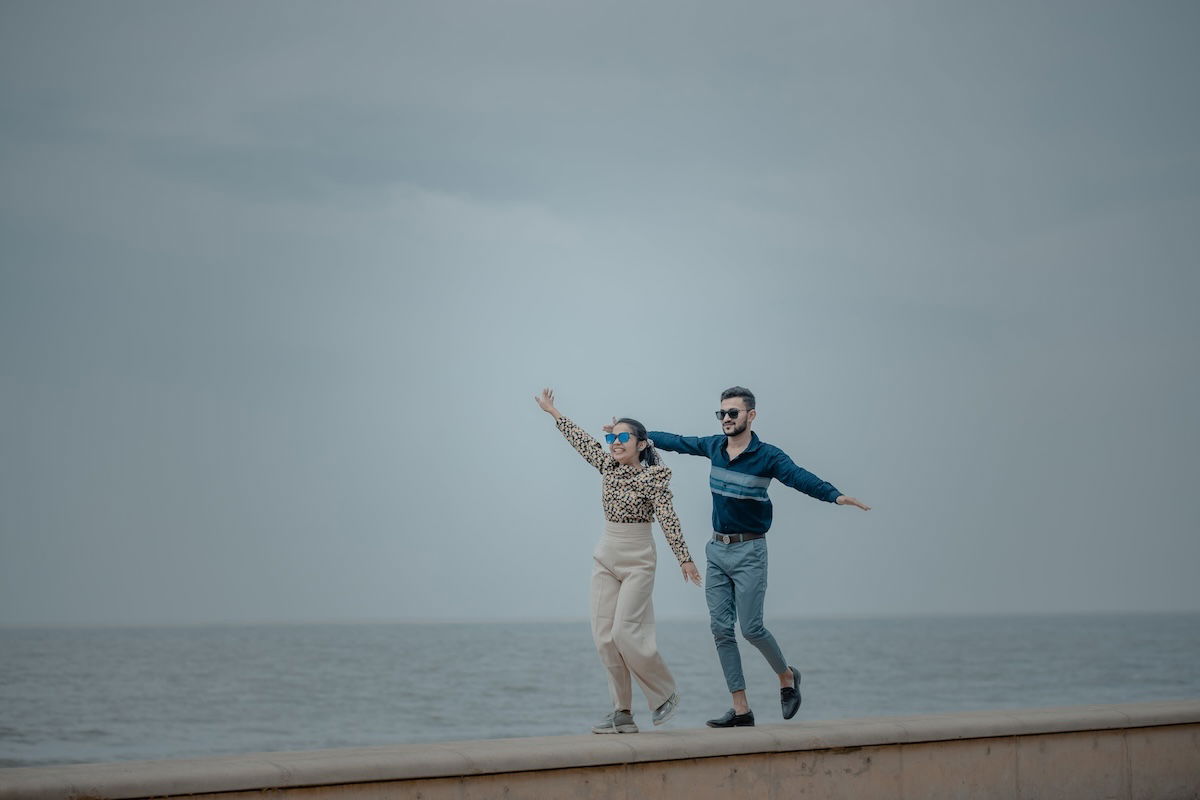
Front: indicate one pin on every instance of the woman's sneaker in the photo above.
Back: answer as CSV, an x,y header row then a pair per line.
x,y
616,722
666,710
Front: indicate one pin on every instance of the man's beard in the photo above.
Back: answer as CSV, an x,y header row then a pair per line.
x,y
738,429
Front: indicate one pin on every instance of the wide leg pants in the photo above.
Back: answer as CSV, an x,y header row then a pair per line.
x,y
623,614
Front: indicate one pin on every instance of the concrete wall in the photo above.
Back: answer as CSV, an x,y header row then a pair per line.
x,y
1143,750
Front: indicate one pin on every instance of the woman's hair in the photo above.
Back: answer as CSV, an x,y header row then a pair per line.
x,y
649,456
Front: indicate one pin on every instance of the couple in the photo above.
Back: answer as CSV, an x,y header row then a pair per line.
x,y
636,489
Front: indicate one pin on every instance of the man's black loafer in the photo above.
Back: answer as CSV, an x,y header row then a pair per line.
x,y
789,696
733,720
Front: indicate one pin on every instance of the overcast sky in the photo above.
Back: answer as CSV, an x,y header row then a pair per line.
x,y
279,280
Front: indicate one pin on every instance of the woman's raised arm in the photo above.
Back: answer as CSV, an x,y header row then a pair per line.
x,y
581,440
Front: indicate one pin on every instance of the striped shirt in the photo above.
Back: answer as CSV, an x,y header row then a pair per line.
x,y
739,487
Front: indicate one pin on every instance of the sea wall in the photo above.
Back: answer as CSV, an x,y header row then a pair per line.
x,y
1141,750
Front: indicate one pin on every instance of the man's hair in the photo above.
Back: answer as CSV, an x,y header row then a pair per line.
x,y
742,392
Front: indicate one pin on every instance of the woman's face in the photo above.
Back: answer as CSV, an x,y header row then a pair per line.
x,y
626,452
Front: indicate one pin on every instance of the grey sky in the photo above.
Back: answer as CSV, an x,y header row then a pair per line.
x,y
279,280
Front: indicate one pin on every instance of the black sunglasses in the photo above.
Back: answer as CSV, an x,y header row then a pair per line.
x,y
732,412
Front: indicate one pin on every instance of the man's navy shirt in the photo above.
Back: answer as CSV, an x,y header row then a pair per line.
x,y
739,487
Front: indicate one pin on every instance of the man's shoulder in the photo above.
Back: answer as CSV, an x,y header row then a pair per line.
x,y
770,451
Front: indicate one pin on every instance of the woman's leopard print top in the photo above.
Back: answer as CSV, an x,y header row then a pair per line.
x,y
630,494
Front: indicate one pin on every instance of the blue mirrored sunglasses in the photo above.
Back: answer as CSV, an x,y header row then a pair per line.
x,y
621,437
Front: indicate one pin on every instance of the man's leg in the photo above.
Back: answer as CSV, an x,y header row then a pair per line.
x,y
722,617
750,589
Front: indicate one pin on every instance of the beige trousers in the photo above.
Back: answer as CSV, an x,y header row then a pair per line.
x,y
623,614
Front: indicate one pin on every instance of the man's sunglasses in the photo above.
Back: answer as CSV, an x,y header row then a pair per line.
x,y
732,412
621,437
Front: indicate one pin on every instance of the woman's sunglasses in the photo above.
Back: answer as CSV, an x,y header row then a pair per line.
x,y
621,437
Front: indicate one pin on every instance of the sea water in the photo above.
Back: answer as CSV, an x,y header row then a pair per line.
x,y
114,694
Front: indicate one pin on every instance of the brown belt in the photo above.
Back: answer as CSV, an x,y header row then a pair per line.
x,y
730,538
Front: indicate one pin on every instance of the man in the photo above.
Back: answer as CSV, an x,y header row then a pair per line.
x,y
736,583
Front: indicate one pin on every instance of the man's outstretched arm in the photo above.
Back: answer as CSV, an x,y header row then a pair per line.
x,y
789,474
688,445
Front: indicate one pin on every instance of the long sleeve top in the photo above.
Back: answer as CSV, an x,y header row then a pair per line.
x,y
630,494
739,486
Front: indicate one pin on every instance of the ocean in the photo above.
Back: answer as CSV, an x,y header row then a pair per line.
x,y
77,695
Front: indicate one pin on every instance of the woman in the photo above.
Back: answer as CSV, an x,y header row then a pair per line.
x,y
636,488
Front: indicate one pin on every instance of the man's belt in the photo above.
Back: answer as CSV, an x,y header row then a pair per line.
x,y
730,538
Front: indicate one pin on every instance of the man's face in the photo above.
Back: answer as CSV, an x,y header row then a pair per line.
x,y
735,417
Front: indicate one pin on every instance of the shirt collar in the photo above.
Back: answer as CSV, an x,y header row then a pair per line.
x,y
750,448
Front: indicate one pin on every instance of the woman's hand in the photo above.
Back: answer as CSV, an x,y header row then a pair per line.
x,y
545,402
690,573
846,500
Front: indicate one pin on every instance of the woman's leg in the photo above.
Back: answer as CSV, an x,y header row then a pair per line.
x,y
605,589
633,631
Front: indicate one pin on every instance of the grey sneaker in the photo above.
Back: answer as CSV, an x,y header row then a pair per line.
x,y
667,709
616,722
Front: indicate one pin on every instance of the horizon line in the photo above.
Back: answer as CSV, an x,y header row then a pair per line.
x,y
469,620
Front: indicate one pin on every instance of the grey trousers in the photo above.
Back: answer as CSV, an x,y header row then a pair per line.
x,y
623,614
735,587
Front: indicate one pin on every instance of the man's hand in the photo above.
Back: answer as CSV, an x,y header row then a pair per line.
x,y
690,573
608,428
847,500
